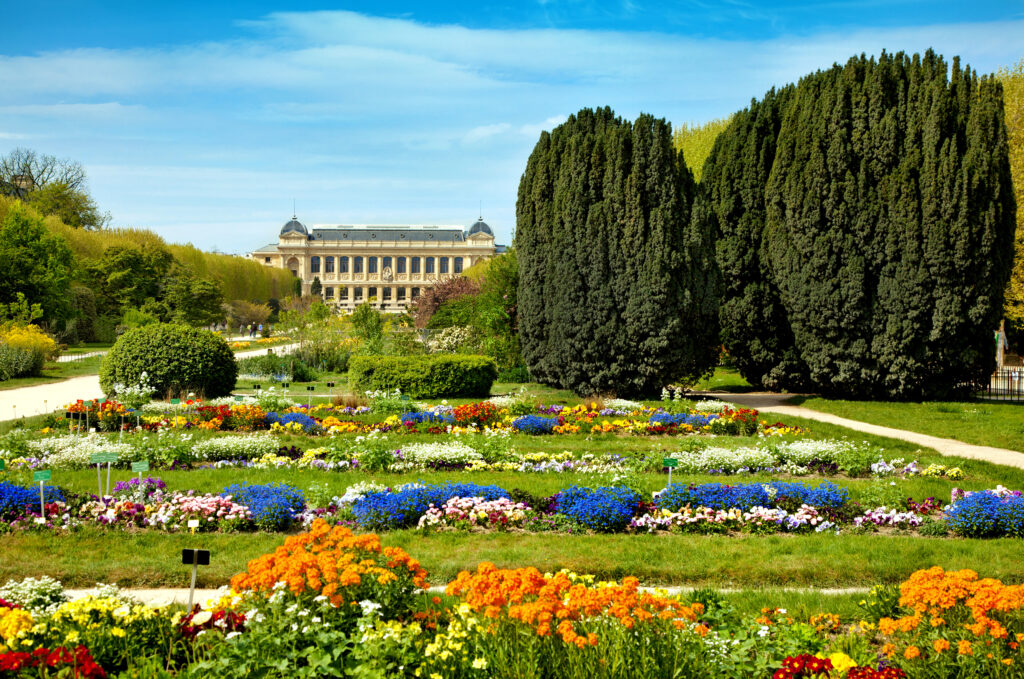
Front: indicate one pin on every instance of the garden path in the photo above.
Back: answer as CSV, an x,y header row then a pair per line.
x,y
776,404
160,597
45,398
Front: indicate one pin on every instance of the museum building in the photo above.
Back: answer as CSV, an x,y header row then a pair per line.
x,y
389,264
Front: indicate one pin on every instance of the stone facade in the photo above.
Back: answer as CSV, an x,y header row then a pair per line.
x,y
391,264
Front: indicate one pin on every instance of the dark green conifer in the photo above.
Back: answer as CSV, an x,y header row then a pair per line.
x,y
618,287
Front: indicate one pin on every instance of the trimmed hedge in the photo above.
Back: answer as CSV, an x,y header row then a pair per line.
x,y
424,376
177,360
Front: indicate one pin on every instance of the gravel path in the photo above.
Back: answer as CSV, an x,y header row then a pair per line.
x,y
776,404
45,398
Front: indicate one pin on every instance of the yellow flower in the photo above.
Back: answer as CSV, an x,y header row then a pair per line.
x,y
842,662
117,632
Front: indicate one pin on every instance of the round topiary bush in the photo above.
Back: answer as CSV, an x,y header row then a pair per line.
x,y
177,360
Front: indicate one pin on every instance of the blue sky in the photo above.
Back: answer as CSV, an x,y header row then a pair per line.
x,y
203,120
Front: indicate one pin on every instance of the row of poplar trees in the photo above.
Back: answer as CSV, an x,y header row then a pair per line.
x,y
851,235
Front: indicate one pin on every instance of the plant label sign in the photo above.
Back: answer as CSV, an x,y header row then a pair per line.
x,y
42,476
141,466
103,458
3,465
194,558
175,401
239,399
670,462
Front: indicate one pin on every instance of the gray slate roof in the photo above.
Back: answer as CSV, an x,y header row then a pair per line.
x,y
389,234
268,248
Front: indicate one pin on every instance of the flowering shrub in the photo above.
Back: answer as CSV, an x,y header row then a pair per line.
x,y
404,506
826,495
272,506
79,662
73,452
466,512
38,596
344,568
883,516
240,446
535,424
987,514
15,501
601,509
211,511
449,455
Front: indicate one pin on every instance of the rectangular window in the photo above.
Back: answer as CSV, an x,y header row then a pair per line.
x,y
314,265
401,294
357,265
430,265
329,293
387,294
386,264
371,293
371,265
358,294
267,260
456,264
342,264
399,261
415,265
443,264
415,293
328,264
342,293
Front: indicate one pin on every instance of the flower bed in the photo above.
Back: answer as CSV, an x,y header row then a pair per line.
x,y
331,603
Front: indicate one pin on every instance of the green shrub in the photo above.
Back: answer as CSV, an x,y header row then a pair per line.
x,y
15,362
424,376
289,367
177,360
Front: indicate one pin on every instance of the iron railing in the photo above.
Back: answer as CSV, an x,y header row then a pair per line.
x,y
1006,384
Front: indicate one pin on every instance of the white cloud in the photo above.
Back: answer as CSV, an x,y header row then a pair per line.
x,y
377,119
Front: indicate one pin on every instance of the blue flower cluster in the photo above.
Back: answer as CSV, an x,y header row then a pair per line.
x,y
403,507
15,500
668,419
984,514
273,505
309,425
535,424
605,509
745,496
427,418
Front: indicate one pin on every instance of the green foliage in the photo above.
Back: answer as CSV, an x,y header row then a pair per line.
x,y
75,208
695,142
618,288
316,287
126,276
368,326
1012,80
883,601
16,362
192,300
424,376
36,264
289,367
865,220
177,359
19,312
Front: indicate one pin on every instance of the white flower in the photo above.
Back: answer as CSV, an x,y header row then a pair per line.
x,y
201,618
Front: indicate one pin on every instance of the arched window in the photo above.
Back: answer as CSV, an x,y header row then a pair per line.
x,y
415,265
371,265
357,265
385,263
314,265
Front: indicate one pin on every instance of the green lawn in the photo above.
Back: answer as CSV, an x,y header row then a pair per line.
x,y
152,559
726,380
982,423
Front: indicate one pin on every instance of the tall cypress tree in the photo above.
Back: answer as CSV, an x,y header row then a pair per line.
x,y
618,286
886,232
